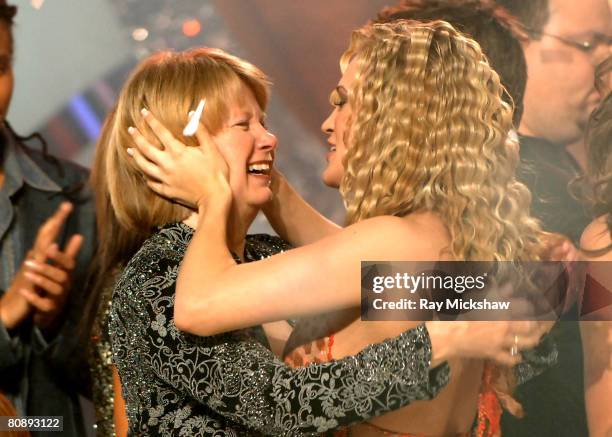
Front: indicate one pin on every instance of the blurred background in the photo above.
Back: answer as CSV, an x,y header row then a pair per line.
x,y
72,57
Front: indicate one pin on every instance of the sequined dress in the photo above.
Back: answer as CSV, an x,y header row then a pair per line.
x,y
101,364
231,384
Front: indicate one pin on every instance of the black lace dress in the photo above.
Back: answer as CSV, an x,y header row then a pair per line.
x,y
231,384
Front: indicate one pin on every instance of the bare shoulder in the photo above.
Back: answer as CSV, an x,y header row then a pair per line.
x,y
596,236
414,237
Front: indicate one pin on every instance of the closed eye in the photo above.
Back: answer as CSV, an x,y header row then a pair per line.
x,y
336,99
243,124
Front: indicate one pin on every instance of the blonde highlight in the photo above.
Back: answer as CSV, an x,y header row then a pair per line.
x,y
429,132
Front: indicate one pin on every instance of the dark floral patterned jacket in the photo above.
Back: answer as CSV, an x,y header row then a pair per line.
x,y
231,384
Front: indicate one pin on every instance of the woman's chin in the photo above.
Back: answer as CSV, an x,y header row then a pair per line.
x,y
259,197
331,179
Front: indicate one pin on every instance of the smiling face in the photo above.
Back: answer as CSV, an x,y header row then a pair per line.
x,y
336,125
248,149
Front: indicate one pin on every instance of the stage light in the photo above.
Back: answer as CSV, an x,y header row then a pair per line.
x,y
140,34
37,4
191,27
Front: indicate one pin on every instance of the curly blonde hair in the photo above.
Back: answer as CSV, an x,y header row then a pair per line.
x,y
428,132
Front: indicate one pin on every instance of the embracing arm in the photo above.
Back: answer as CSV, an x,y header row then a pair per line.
x,y
237,377
294,219
240,379
312,279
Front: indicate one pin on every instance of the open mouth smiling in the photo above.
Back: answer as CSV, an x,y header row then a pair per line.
x,y
260,168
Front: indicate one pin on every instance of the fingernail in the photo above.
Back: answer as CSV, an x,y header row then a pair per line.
x,y
31,263
190,114
131,130
144,112
130,151
29,275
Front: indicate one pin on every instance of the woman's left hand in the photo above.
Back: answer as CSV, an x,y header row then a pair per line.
x,y
193,176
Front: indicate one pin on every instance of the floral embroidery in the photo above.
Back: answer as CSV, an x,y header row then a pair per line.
x,y
230,384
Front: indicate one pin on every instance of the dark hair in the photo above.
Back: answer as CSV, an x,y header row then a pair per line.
x,y
532,14
491,26
7,14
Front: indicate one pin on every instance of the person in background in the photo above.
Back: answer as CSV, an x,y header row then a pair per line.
x,y
496,31
46,213
567,41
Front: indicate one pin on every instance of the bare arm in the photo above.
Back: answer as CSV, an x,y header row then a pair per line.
x,y
597,339
320,277
317,278
597,334
294,219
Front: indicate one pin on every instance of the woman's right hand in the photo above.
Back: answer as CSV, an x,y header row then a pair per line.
x,y
192,176
500,341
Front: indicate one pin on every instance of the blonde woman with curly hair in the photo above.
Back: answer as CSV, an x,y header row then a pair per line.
x,y
418,149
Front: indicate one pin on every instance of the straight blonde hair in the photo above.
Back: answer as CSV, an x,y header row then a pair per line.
x,y
169,85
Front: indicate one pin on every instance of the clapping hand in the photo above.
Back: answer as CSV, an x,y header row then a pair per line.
x,y
42,284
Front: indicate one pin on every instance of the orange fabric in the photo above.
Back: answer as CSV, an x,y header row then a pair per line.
x,y
489,407
7,409
330,343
